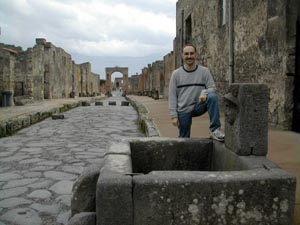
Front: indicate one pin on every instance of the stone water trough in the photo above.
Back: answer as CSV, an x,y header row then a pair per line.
x,y
176,181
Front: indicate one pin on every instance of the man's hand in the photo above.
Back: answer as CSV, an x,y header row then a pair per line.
x,y
175,122
202,98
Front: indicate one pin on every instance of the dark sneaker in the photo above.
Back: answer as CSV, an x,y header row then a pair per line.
x,y
217,134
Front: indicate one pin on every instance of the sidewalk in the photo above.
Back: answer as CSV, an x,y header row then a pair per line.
x,y
283,145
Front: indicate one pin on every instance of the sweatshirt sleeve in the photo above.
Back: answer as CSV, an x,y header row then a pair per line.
x,y
209,83
173,97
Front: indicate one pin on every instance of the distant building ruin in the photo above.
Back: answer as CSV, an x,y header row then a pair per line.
x,y
44,72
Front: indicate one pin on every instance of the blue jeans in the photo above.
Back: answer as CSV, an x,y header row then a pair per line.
x,y
211,105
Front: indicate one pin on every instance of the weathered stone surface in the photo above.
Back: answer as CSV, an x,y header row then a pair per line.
x,y
170,154
165,189
23,216
98,103
84,218
112,103
114,199
85,103
84,191
123,103
210,198
58,116
246,119
23,100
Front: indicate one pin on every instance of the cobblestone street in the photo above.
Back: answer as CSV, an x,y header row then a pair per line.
x,y
39,164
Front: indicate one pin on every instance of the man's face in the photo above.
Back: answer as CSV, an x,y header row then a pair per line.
x,y
189,55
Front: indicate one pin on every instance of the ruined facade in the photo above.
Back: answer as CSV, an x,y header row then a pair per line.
x,y
264,34
44,72
266,49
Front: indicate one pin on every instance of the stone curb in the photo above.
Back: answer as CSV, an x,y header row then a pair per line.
x,y
11,126
145,124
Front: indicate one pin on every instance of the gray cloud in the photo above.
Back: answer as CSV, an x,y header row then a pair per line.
x,y
98,28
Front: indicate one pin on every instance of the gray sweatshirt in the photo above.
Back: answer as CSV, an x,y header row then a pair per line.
x,y
185,88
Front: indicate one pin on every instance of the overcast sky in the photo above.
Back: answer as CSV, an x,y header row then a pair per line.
x,y
129,33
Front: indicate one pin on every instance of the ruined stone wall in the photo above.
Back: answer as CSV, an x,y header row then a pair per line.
x,y
145,73
262,42
7,62
95,83
77,79
169,67
85,69
149,78
36,70
133,84
142,80
157,76
23,74
46,71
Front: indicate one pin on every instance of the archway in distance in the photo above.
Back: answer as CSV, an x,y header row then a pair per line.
x,y
109,71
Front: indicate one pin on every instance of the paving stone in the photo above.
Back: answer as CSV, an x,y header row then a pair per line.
x,y
9,176
32,174
13,202
30,161
42,168
50,163
62,187
73,169
41,194
18,183
56,175
63,218
24,216
6,193
32,150
42,184
64,199
13,158
47,209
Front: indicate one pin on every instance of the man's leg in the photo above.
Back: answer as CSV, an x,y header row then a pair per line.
x,y
185,122
211,105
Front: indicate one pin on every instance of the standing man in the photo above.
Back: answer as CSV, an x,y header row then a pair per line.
x,y
192,93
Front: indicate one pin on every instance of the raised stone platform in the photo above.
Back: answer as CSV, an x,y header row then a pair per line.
x,y
190,181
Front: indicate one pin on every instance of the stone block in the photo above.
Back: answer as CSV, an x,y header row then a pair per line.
x,y
114,199
246,119
112,103
2,129
23,100
85,103
40,41
85,218
175,181
84,191
124,103
190,197
58,116
98,103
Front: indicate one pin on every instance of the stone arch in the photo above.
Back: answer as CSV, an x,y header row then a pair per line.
x,y
109,71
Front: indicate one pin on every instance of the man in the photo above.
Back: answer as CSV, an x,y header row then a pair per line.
x,y
192,93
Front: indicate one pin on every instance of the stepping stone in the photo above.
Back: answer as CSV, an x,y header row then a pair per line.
x,y
98,103
58,116
85,103
124,103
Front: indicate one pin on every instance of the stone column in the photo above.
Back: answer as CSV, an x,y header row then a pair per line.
x,y
246,119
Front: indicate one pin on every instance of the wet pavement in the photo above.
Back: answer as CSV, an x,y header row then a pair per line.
x,y
39,164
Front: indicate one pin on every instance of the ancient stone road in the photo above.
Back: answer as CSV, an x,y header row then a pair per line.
x,y
39,164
